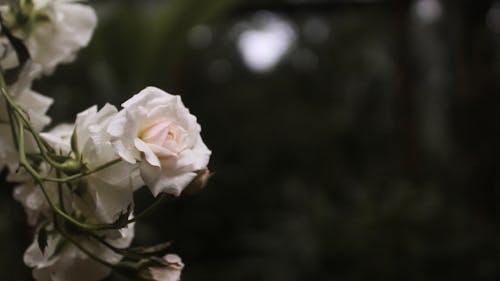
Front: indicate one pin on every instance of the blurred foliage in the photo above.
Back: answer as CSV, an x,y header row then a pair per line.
x,y
374,156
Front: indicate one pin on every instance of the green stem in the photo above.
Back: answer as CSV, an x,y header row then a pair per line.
x,y
119,251
25,119
12,126
60,193
81,248
149,209
83,174
24,163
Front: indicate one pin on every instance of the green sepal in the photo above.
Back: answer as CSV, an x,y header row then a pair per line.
x,y
74,144
72,166
122,219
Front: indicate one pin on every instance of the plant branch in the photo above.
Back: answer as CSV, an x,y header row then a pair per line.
x,y
150,208
83,174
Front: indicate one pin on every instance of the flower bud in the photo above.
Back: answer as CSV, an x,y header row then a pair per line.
x,y
199,182
170,272
72,166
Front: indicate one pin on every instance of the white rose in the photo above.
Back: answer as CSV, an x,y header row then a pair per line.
x,y
59,29
156,129
172,272
8,57
33,103
111,189
61,260
29,194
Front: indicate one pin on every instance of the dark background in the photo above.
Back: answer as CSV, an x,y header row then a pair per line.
x,y
369,152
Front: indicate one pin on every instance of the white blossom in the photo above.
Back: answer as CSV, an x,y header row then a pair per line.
x,y
56,31
29,194
33,103
110,189
63,261
156,129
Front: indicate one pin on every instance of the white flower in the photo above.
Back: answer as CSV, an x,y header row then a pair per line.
x,y
155,128
63,261
98,198
172,272
31,197
56,31
33,103
29,194
8,58
110,189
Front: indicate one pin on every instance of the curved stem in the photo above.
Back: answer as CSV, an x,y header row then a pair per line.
x,y
12,126
149,209
36,176
80,175
119,251
60,193
81,248
25,119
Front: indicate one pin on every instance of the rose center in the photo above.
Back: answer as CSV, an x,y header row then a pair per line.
x,y
165,133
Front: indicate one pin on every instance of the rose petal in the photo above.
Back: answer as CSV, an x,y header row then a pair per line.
x,y
150,156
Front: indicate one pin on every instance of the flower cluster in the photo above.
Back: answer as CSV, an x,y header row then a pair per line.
x,y
77,181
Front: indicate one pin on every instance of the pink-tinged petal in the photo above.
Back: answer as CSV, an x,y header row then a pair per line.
x,y
162,152
168,137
